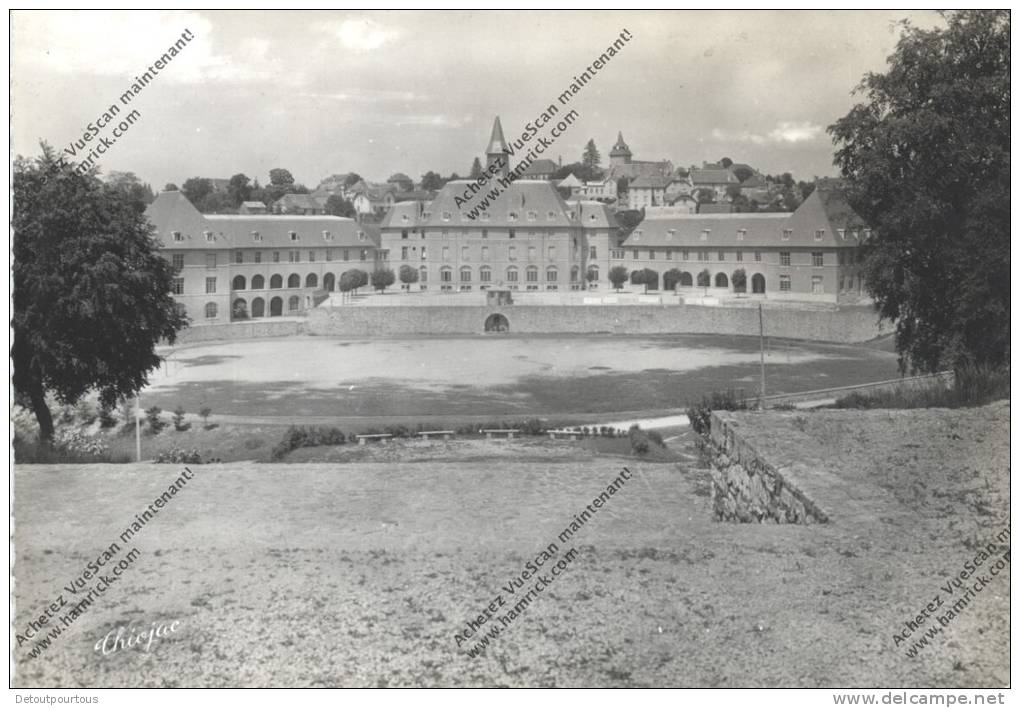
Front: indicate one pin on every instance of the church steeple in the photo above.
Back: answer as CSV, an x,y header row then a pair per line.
x,y
620,154
495,151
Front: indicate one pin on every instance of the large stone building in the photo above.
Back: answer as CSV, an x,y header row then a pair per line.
x,y
527,238
232,267
811,254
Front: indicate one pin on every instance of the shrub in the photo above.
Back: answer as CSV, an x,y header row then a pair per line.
x,y
177,454
656,437
155,422
972,386
34,452
784,406
700,414
179,425
205,412
106,419
639,443
77,442
297,436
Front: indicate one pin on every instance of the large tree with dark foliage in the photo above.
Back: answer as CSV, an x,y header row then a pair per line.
x,y
926,157
91,292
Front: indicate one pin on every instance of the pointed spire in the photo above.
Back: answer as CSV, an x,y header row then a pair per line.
x,y
497,143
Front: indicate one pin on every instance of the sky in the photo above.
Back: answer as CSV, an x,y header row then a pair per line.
x,y
326,92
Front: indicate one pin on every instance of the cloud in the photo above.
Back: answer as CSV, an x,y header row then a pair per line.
x,y
360,95
131,41
785,132
360,34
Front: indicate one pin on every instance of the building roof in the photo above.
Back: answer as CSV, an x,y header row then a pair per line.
x,y
701,176
641,168
593,215
650,182
755,181
570,181
171,211
541,167
825,211
715,208
416,195
497,143
620,149
300,201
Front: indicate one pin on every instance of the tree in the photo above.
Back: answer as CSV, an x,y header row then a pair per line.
x,y
591,275
408,275
743,173
352,178
476,169
239,189
280,176
432,182
195,189
704,279
591,158
726,162
170,187
670,279
732,191
216,203
739,280
139,194
705,195
91,292
926,158
645,276
349,281
618,276
805,189
382,278
338,206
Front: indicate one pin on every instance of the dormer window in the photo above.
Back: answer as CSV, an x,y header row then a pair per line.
x,y
637,235
704,234
405,218
256,236
741,233
426,214
361,235
818,234
670,234
177,236
532,215
209,236
447,216
787,233
293,236
327,236
486,216
570,215
842,234
593,217
551,216
867,234
512,216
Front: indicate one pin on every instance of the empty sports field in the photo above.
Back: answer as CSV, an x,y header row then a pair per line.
x,y
494,375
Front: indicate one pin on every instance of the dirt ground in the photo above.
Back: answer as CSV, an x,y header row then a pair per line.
x,y
361,573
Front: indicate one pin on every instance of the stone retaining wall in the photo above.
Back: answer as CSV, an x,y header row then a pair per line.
x,y
848,325
256,329
747,488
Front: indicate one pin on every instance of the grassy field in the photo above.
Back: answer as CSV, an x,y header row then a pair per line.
x,y
486,376
361,573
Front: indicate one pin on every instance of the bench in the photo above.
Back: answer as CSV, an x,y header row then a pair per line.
x,y
381,437
497,431
572,433
447,434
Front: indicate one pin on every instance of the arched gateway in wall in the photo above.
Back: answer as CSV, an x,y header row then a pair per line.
x,y
497,323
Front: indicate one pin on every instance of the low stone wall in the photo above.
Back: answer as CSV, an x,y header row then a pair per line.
x,y
256,329
849,325
746,488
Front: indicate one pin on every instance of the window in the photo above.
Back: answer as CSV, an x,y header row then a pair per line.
x,y
423,274
446,253
617,254
256,236
685,255
842,234
293,303
722,256
465,274
361,235
347,254
485,274
178,286
209,236
276,256
551,215
550,274
465,254
293,236
292,256
512,253
177,261
531,253
294,281
423,253
210,310
327,236
403,232
485,233
634,255
447,216
704,234
669,254
817,259
513,233
364,254
238,256
511,275
867,234
786,234
702,255
178,237
210,286
210,260
552,252
818,234
784,283
258,282
329,254
403,253
258,256
741,233
486,216
532,274
512,216
740,256
651,255
485,253
784,258
593,252
446,274
817,285
311,256
757,256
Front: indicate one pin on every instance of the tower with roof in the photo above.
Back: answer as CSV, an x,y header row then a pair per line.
x,y
495,151
620,154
